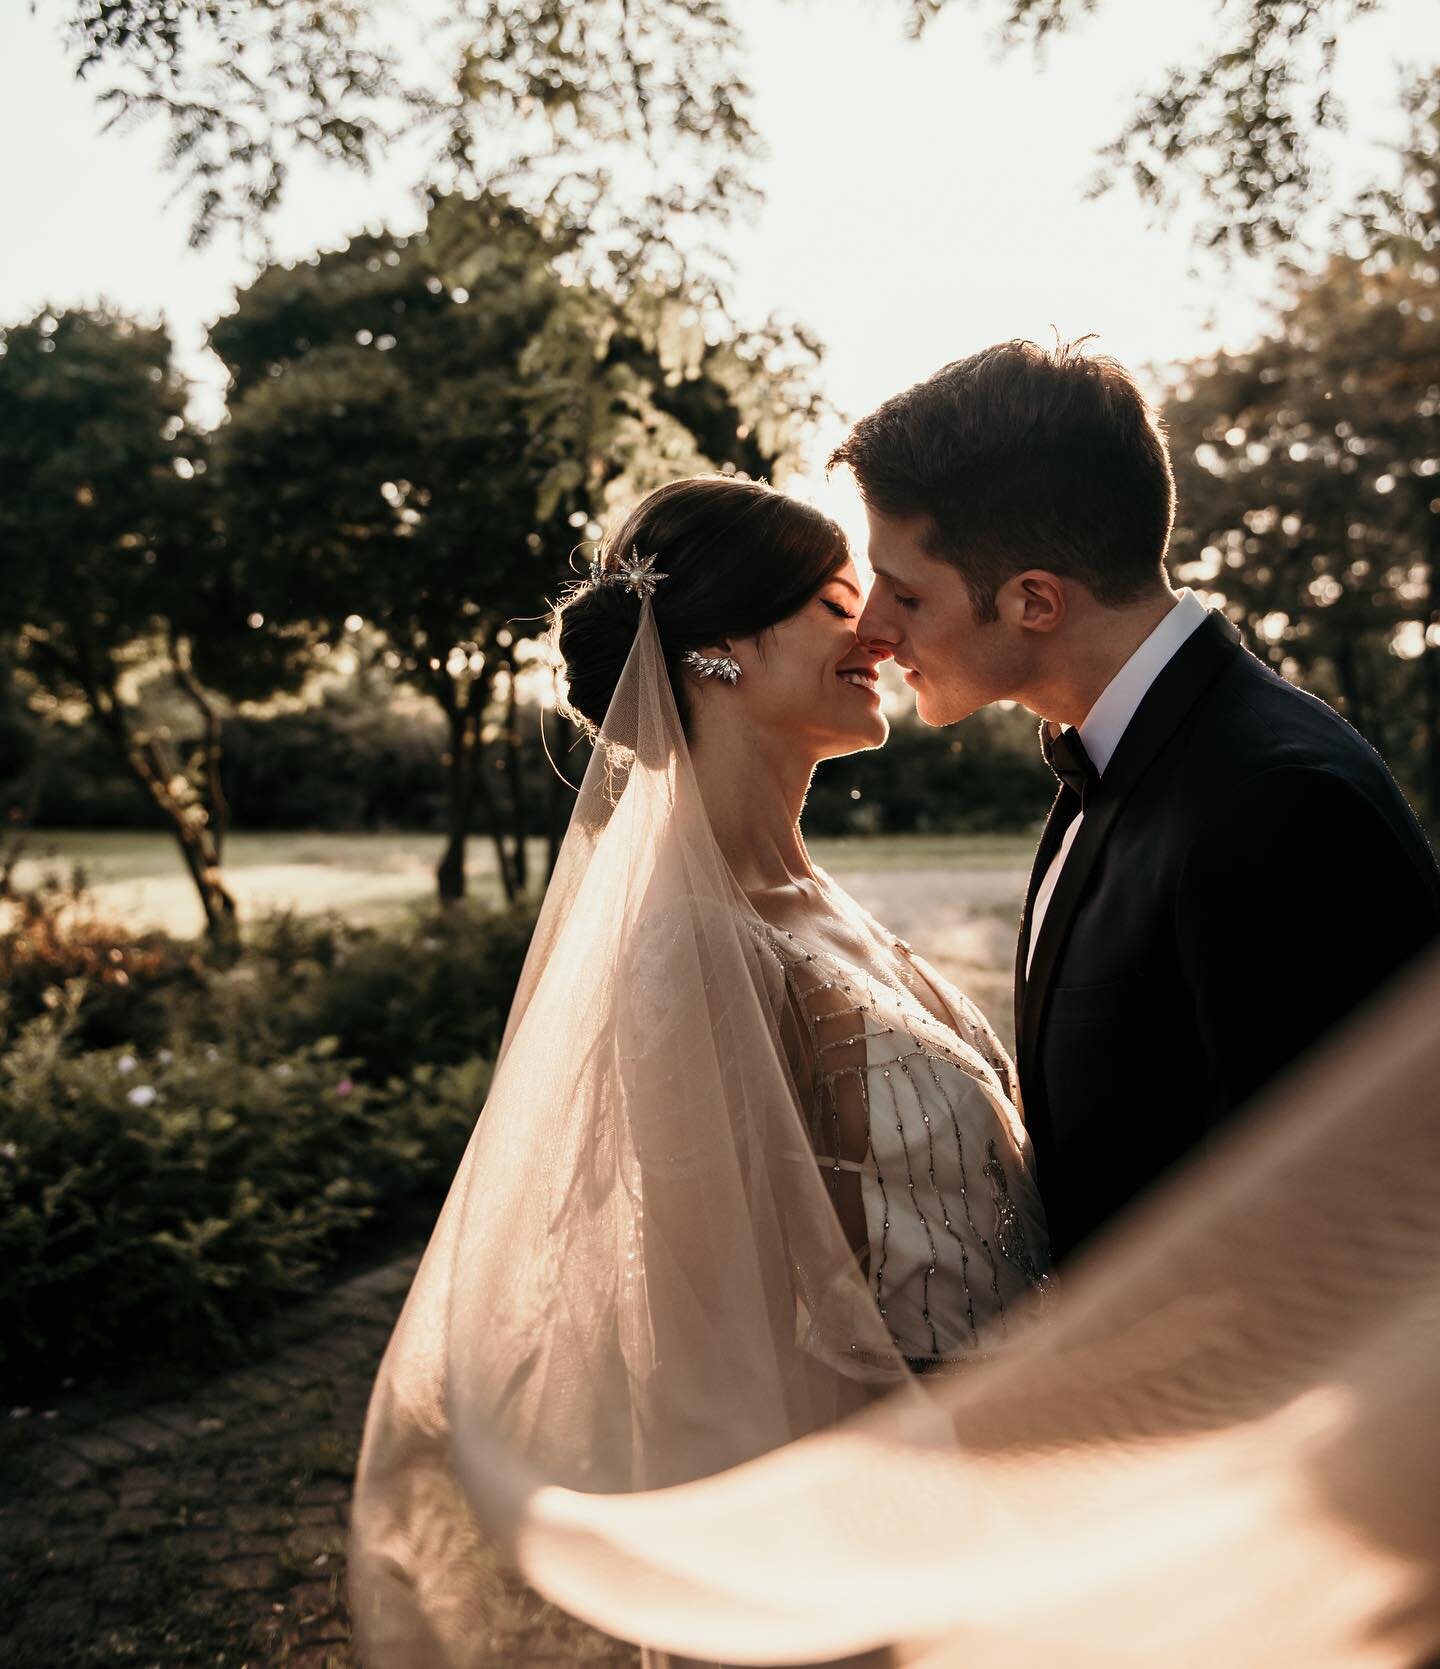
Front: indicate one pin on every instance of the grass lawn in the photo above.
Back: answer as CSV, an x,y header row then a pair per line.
x,y
960,853
370,877
956,898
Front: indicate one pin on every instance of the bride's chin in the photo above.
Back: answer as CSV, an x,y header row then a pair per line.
x,y
873,735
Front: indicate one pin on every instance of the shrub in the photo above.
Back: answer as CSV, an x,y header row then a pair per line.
x,y
351,762
53,941
433,994
157,1208
163,1191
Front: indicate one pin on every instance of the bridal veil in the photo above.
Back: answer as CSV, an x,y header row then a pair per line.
x,y
638,1278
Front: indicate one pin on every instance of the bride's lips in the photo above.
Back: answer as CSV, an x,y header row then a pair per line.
x,y
862,678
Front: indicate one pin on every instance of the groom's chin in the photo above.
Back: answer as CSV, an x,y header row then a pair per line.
x,y
936,712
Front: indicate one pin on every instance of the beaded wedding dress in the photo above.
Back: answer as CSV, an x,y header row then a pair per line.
x,y
913,1123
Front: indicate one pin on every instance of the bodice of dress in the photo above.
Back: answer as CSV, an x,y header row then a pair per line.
x,y
923,1113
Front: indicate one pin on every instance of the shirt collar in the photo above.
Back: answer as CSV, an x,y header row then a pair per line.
x,y
1107,720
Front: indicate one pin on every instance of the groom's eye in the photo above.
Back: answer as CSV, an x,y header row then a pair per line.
x,y
904,602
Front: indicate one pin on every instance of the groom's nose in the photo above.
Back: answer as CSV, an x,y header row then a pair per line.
x,y
875,632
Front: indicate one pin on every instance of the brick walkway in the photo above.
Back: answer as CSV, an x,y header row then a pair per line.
x,y
209,1528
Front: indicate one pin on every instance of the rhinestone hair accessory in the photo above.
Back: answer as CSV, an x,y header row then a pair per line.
x,y
712,666
637,573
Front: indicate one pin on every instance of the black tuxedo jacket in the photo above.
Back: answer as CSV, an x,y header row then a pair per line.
x,y
1246,873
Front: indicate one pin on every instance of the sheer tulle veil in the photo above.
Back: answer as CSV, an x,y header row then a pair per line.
x,y
637,1278
637,1324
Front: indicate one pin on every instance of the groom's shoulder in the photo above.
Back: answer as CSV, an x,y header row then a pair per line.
x,y
1263,750
1254,719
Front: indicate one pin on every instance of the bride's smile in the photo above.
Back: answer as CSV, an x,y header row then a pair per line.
x,y
786,695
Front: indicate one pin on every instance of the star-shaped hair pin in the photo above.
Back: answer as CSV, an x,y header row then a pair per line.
x,y
637,573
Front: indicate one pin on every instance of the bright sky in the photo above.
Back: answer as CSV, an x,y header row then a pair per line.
x,y
921,200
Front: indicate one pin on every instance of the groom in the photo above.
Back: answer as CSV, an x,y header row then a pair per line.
x,y
1228,867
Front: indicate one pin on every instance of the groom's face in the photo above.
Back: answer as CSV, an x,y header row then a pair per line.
x,y
920,612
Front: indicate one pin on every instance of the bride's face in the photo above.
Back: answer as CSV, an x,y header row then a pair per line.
x,y
809,683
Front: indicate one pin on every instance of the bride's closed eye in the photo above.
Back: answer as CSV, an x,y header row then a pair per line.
x,y
837,608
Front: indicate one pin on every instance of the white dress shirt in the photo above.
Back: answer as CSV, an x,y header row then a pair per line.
x,y
1107,721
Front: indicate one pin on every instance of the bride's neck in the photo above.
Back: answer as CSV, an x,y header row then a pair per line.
x,y
753,798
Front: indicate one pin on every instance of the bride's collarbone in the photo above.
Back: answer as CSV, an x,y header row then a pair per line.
x,y
827,938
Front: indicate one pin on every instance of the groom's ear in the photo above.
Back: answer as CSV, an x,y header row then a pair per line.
x,y
1032,601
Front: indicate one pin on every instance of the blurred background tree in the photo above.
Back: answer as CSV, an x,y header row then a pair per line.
x,y
420,430
510,96
112,569
1309,475
535,98
1240,132
529,111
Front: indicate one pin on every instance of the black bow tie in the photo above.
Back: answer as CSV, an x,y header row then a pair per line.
x,y
1065,755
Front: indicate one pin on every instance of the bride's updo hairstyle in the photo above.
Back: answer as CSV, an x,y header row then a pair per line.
x,y
740,557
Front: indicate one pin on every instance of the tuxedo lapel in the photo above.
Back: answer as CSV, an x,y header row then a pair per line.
x,y
1182,681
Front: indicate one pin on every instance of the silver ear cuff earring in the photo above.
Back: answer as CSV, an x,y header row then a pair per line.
x,y
712,666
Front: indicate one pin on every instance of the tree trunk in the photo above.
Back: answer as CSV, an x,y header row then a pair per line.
x,y
1347,674
515,771
468,785
461,783
217,807
494,821
21,821
142,759
222,921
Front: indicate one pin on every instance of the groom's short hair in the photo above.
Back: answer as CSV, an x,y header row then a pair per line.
x,y
1025,457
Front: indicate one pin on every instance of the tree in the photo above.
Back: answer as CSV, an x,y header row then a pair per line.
x,y
420,428
1239,126
539,95
1309,479
111,569
20,770
526,96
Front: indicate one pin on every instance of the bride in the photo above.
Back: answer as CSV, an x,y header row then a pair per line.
x,y
747,1160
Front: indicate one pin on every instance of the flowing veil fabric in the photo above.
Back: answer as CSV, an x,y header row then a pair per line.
x,y
1223,1449
638,1278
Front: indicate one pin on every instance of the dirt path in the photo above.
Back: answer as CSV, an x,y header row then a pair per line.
x,y
208,1528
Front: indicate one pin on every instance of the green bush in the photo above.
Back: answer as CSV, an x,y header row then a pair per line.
x,y
54,942
156,1208
158,1199
433,994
